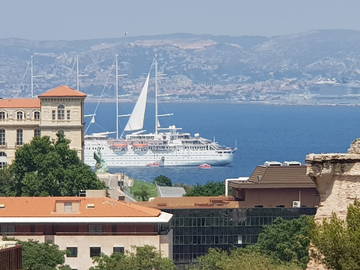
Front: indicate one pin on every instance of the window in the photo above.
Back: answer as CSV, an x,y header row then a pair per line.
x,y
53,115
19,137
95,251
118,249
2,164
2,136
37,115
68,114
19,115
95,228
2,115
71,252
61,112
37,132
67,207
7,228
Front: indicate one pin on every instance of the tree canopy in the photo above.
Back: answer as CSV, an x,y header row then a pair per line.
x,y
47,168
163,180
337,241
209,189
42,256
240,258
287,240
145,258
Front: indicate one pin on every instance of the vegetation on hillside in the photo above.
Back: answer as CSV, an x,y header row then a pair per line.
x,y
145,258
47,168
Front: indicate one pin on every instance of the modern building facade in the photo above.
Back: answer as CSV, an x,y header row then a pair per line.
x,y
85,227
21,119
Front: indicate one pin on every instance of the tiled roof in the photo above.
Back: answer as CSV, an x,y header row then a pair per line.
x,y
63,91
192,202
20,103
46,207
276,177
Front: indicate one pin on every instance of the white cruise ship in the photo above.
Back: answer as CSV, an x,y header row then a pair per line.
x,y
164,147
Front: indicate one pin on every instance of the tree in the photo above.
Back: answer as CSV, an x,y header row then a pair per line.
x,y
287,240
209,189
47,168
163,180
337,241
145,258
240,258
42,256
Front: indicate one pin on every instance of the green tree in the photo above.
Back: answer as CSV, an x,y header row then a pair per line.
x,y
145,258
240,258
287,240
337,241
209,189
42,256
7,182
163,180
47,168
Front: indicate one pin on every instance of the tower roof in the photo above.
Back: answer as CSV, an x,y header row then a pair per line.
x,y
63,91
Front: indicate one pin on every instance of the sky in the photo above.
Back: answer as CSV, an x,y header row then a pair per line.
x,y
87,19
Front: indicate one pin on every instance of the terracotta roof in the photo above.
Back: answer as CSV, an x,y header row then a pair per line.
x,y
20,103
192,202
276,177
46,207
63,91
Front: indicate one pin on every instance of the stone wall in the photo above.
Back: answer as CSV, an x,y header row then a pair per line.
x,y
337,178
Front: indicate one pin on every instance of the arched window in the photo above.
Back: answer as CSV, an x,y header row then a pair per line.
x,y
19,137
19,115
2,115
61,112
2,136
37,115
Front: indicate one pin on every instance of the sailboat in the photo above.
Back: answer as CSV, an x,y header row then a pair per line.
x,y
163,147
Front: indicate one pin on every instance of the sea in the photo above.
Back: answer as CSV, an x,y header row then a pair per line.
x,y
260,133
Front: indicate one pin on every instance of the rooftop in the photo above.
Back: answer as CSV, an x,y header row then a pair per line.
x,y
20,103
276,177
192,202
171,191
86,207
63,91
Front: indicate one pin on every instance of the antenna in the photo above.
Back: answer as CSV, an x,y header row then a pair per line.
x,y
117,95
78,75
32,76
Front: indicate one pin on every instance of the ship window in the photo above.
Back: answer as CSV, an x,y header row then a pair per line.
x,y
61,112
2,115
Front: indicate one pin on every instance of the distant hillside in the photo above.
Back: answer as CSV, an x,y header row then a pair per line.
x,y
318,67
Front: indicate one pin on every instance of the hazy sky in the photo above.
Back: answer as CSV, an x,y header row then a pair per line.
x,y
81,19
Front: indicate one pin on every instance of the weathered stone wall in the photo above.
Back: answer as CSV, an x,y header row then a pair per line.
x,y
337,178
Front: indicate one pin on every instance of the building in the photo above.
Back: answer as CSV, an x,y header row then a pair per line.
x,y
200,223
85,227
10,255
165,191
275,185
21,119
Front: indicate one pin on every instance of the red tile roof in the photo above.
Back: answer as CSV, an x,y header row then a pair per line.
x,y
46,207
20,103
63,91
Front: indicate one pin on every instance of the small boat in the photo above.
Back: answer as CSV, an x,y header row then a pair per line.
x,y
154,164
205,166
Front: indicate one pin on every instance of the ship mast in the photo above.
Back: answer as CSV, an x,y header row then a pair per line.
x,y
156,96
117,95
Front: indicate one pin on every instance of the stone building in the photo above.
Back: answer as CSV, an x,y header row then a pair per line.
x,y
21,119
85,227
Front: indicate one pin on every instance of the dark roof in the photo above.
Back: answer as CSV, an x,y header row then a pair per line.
x,y
276,177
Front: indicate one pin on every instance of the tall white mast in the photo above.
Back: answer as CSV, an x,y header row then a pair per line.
x,y
77,73
156,98
117,96
32,75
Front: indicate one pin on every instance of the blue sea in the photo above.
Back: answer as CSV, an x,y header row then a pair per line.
x,y
260,132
